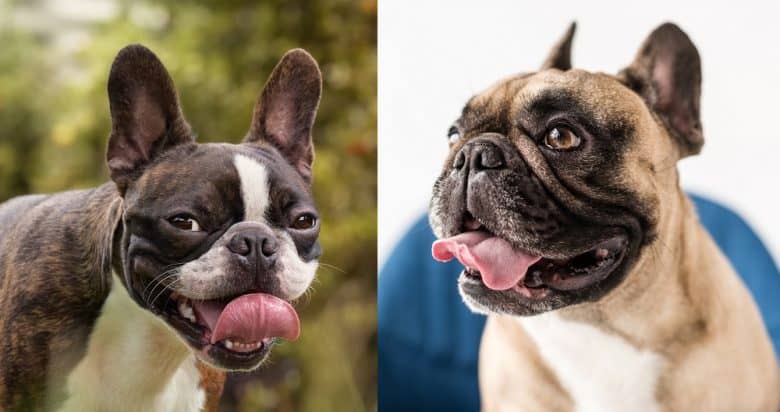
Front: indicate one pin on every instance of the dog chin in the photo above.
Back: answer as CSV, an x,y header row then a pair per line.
x,y
216,355
182,318
484,304
473,304
225,354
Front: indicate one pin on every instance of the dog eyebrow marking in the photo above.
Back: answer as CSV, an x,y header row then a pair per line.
x,y
254,187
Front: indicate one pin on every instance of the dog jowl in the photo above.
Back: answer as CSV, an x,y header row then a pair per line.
x,y
214,241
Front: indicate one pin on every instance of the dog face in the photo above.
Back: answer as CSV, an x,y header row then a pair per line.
x,y
217,239
555,180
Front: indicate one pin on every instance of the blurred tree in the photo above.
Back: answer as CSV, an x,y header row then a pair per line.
x,y
54,123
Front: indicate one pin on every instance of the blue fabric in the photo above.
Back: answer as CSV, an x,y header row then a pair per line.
x,y
428,340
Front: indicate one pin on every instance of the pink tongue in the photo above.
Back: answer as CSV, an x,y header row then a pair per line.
x,y
501,266
249,318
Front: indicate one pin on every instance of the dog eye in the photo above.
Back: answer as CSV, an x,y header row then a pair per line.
x,y
561,138
184,222
304,221
453,135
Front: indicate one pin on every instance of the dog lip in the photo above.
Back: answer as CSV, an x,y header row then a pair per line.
x,y
242,356
559,274
588,268
222,357
471,223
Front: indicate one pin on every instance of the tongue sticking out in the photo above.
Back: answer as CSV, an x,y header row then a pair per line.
x,y
500,265
249,318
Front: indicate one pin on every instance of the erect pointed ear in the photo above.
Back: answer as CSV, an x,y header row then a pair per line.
x,y
145,114
285,111
560,55
667,74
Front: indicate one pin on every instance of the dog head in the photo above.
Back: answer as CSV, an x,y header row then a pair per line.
x,y
555,180
216,239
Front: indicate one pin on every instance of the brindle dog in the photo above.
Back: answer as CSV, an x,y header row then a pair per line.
x,y
136,295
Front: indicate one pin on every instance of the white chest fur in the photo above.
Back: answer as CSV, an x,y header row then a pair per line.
x,y
134,362
600,371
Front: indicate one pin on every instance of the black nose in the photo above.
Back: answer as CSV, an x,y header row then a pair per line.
x,y
479,155
255,244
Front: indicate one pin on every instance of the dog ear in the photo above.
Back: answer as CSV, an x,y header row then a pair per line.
x,y
560,55
285,111
667,74
145,114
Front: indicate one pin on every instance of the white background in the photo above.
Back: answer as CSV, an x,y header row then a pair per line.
x,y
433,55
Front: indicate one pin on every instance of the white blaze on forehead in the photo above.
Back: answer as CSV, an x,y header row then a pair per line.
x,y
254,187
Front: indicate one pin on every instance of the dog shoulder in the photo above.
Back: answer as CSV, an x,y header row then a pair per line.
x,y
52,264
13,209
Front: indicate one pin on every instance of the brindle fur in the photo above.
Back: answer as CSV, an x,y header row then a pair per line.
x,y
55,269
58,252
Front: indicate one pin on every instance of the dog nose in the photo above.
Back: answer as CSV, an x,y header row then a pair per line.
x,y
254,244
479,155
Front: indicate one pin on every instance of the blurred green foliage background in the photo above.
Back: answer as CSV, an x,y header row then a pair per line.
x,y
54,122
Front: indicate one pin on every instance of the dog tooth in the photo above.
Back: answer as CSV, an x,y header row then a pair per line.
x,y
191,316
242,346
186,311
602,253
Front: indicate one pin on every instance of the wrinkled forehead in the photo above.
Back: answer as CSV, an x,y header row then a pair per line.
x,y
251,174
599,97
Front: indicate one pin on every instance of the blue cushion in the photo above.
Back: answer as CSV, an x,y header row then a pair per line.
x,y
428,339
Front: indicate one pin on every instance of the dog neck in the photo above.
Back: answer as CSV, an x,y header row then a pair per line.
x,y
134,361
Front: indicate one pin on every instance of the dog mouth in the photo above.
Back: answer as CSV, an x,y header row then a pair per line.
x,y
234,332
493,263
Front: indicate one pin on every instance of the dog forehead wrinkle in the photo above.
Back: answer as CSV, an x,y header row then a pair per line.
x,y
489,110
598,96
255,191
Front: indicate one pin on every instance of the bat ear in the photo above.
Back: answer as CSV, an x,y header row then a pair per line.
x,y
145,114
667,74
560,55
285,111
